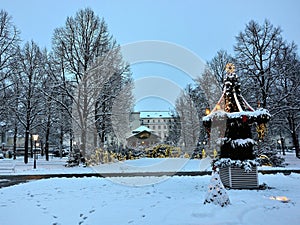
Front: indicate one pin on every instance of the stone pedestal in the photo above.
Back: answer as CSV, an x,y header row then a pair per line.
x,y
238,178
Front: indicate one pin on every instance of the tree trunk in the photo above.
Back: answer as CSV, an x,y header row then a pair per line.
x,y
296,143
47,137
15,141
292,126
26,146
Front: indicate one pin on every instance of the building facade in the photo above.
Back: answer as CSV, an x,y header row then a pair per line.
x,y
157,121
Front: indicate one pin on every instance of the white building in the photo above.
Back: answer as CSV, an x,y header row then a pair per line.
x,y
158,121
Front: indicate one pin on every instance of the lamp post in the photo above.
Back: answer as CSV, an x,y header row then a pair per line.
x,y
282,145
35,138
279,145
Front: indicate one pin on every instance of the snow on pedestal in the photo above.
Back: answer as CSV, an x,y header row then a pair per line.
x,y
216,193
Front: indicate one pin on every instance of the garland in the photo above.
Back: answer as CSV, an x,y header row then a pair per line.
x,y
246,164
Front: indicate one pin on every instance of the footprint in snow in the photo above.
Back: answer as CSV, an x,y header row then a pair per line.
x,y
92,211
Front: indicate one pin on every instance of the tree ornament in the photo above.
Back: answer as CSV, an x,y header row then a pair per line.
x,y
261,129
244,118
230,68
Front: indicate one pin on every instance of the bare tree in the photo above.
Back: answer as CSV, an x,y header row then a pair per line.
x,y
211,87
77,45
217,66
83,38
30,75
190,107
256,51
269,67
285,99
9,42
121,109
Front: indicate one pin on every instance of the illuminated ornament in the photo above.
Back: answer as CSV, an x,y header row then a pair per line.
x,y
244,118
207,111
203,154
230,68
215,153
143,135
261,129
283,199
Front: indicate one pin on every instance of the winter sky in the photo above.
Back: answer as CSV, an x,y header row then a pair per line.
x,y
196,26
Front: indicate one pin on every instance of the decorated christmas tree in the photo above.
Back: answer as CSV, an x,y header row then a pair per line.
x,y
234,117
216,193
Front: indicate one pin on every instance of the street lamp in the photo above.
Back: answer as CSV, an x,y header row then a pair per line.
x,y
279,145
35,138
282,145
207,111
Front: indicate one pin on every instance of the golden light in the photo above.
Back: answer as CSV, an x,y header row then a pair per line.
x,y
218,107
283,199
207,111
230,68
35,137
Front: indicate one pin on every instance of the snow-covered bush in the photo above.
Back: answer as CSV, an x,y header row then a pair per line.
x,y
270,157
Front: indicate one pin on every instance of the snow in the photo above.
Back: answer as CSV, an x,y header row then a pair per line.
x,y
242,142
142,128
155,114
223,114
56,166
177,200
145,200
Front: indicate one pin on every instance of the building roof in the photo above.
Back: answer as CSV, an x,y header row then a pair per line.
x,y
155,114
142,128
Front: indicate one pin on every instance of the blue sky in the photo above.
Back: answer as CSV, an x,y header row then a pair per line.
x,y
203,27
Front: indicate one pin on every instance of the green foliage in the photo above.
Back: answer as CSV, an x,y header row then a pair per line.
x,y
270,157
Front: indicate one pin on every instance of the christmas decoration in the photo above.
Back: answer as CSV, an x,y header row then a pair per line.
x,y
216,193
261,130
233,118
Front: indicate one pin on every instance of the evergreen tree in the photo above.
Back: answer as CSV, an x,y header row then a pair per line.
x,y
216,193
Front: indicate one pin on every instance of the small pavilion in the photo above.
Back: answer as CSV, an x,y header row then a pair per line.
x,y
142,137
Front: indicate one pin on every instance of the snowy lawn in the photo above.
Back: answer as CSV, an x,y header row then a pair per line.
x,y
57,166
168,200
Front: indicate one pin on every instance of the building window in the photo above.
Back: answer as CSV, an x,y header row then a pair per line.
x,y
153,127
159,127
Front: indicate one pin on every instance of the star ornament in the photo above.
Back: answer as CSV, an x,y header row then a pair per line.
x,y
230,68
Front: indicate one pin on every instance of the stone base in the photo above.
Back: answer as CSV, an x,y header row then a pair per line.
x,y
237,178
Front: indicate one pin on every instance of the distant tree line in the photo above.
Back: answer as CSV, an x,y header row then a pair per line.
x,y
269,70
75,90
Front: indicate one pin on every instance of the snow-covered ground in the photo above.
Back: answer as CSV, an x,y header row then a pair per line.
x,y
145,200
176,200
57,166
